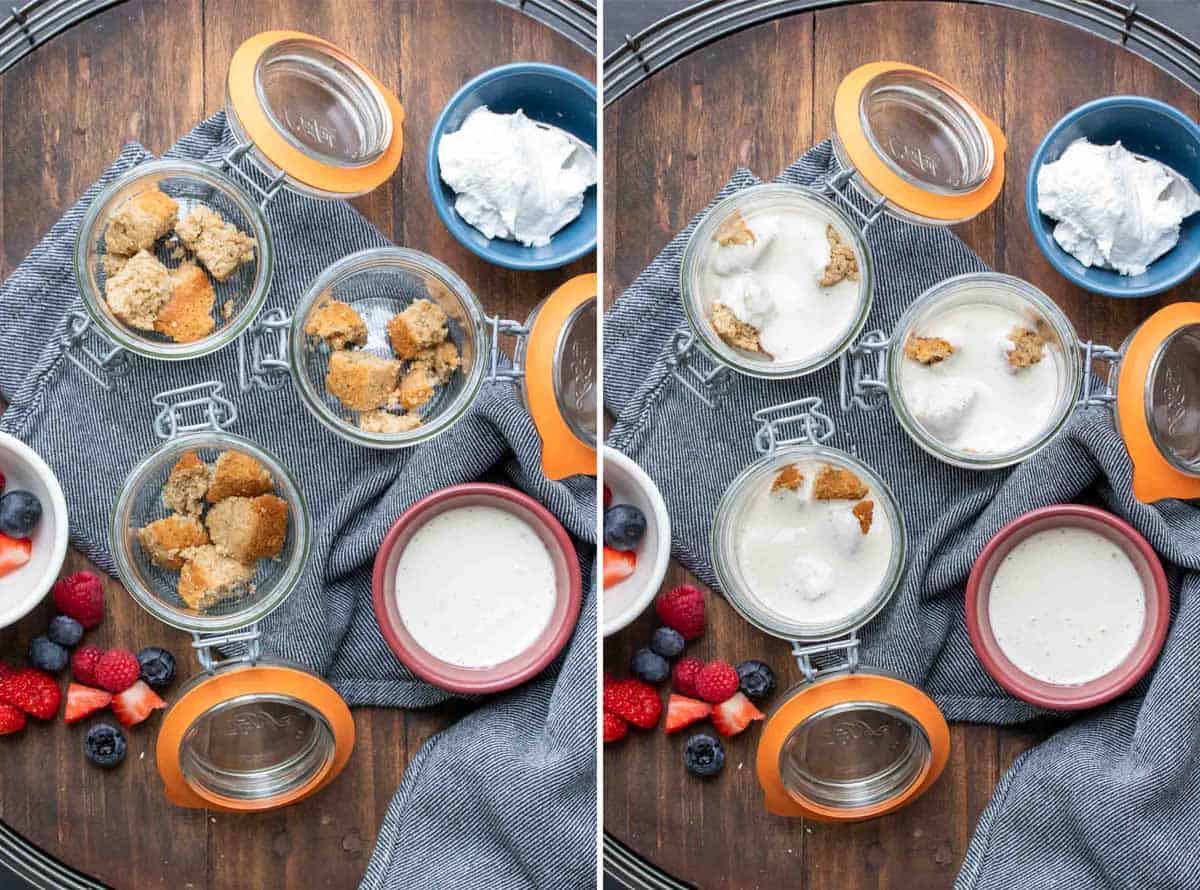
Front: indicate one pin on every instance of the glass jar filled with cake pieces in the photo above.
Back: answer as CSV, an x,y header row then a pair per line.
x,y
174,258
777,280
210,533
808,545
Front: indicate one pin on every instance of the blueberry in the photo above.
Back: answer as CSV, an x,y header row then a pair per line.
x,y
104,745
20,512
757,680
704,756
650,666
65,631
158,667
46,655
624,525
667,642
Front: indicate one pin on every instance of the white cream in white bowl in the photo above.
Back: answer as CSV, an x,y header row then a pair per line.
x,y
23,589
629,598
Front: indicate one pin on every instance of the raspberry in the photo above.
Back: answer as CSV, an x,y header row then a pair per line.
x,y
117,670
633,700
683,678
83,664
717,682
80,596
32,691
615,728
683,610
11,719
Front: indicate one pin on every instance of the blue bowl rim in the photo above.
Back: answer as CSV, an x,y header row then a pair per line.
x,y
446,212
1046,243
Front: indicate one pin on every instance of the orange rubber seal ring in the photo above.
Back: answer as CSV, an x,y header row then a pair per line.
x,y
292,682
563,453
874,169
284,155
1153,477
836,690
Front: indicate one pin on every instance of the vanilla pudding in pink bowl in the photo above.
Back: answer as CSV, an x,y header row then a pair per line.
x,y
476,588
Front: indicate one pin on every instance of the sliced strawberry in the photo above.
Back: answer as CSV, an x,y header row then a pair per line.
x,y
135,703
618,565
615,728
84,700
633,700
32,691
683,711
11,719
733,715
14,553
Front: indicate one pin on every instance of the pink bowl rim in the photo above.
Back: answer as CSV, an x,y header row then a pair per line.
x,y
498,677
1104,688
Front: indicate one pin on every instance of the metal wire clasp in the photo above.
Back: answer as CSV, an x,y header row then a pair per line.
x,y
205,646
501,326
704,378
805,654
189,409
816,427
262,353
98,357
862,373
840,186
231,164
1091,395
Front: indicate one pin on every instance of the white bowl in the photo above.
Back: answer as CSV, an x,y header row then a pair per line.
x,y
629,484
23,589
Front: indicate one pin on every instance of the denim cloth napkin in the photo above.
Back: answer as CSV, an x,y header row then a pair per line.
x,y
1113,799
506,796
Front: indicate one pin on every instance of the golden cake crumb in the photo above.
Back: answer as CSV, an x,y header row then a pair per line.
x,y
733,330
238,475
208,577
337,324
734,231
187,315
1028,347
416,386
113,264
360,380
386,422
247,529
843,264
789,478
187,483
138,292
420,326
165,540
227,309
928,350
864,512
139,222
219,245
838,484
442,360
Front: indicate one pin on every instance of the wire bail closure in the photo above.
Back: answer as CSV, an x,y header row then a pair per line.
x,y
98,362
263,363
805,655
215,411
708,382
231,164
501,326
1090,394
816,426
840,186
861,383
205,646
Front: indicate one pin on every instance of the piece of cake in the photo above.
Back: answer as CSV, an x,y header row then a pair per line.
x,y
208,577
788,479
843,264
864,512
238,475
137,293
734,231
139,222
387,422
733,330
219,245
928,350
416,386
248,529
1028,347
337,324
187,483
441,360
165,540
838,484
187,315
420,326
360,380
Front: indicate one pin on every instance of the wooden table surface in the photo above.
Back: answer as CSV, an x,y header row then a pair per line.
x,y
759,99
149,71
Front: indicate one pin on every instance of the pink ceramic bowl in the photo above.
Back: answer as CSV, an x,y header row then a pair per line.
x,y
1115,682
515,671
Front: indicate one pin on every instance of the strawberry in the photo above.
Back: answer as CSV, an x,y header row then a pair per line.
x,y
683,711
83,664
11,719
615,728
32,691
682,608
618,565
80,596
117,670
14,553
135,703
634,701
683,677
84,700
732,716
717,682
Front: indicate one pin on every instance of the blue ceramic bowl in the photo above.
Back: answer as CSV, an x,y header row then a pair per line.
x,y
547,94
1145,126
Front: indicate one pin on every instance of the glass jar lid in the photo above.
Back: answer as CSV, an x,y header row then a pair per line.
x,y
248,737
850,746
916,142
1173,399
314,113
